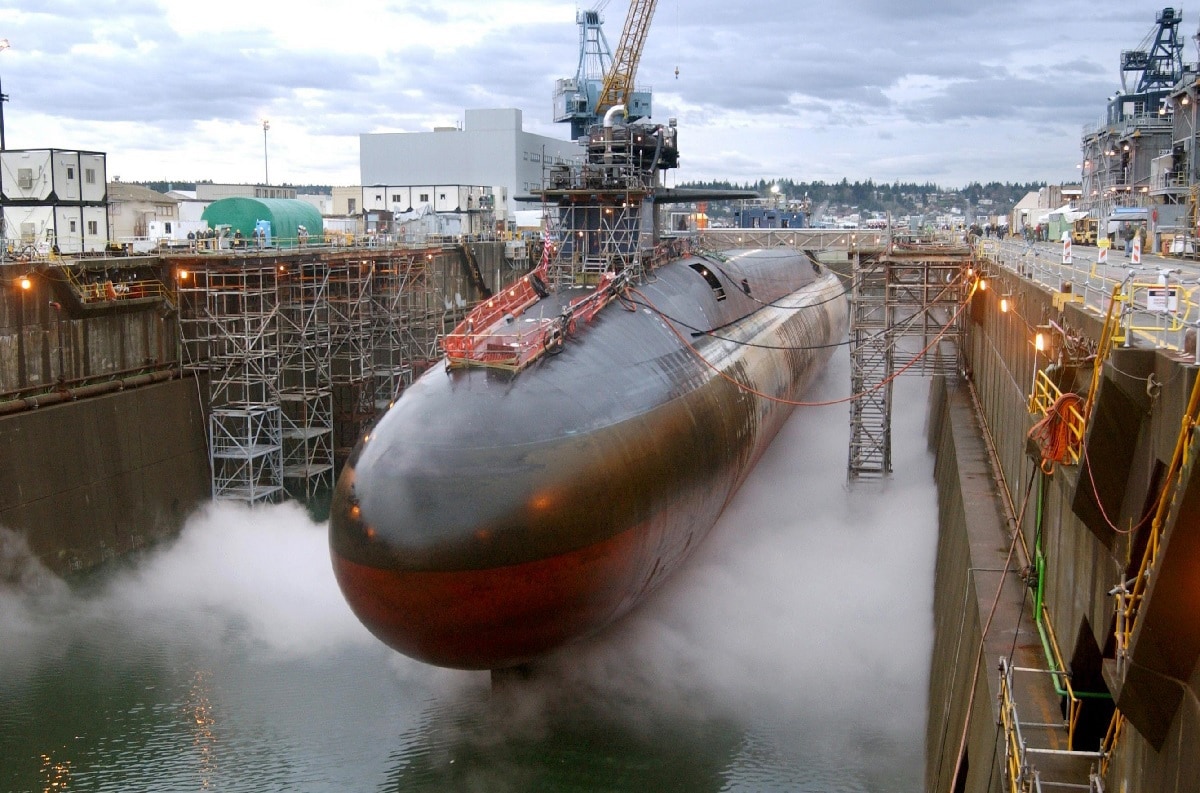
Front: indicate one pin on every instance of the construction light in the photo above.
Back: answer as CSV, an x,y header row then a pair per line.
x,y
25,283
183,274
1039,342
982,284
1004,305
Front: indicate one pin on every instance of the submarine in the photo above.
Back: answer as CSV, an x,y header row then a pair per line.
x,y
586,428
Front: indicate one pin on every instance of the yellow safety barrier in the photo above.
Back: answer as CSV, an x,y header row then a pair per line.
x,y
1017,773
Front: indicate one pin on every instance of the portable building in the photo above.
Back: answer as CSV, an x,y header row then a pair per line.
x,y
291,219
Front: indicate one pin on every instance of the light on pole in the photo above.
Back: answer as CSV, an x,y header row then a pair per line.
x,y
266,169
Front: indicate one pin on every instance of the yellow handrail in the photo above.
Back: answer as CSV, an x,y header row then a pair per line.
x,y
1107,337
1128,602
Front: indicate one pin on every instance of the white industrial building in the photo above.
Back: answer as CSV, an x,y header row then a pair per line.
x,y
54,199
491,150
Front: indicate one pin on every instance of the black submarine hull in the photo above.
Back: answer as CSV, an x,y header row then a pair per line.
x,y
491,517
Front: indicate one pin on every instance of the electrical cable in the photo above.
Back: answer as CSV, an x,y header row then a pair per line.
x,y
796,403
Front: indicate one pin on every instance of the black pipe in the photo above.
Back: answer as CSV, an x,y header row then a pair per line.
x,y
81,392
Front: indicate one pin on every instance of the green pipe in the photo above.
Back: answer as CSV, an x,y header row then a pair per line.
x,y
1039,563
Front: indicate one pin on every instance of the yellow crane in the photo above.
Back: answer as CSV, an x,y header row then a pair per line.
x,y
618,83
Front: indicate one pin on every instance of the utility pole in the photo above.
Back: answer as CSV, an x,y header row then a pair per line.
x,y
266,170
3,98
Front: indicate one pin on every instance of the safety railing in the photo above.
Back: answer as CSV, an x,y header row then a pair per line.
x,y
1111,738
1061,428
495,335
108,291
1060,768
1153,298
1129,594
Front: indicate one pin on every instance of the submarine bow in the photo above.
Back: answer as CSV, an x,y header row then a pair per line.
x,y
496,513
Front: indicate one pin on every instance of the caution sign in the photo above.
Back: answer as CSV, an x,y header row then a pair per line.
x,y
1136,258
1162,298
1102,247
1066,257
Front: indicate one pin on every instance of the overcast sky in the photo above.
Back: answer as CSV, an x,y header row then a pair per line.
x,y
948,91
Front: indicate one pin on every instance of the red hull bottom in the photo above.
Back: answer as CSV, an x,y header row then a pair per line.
x,y
505,616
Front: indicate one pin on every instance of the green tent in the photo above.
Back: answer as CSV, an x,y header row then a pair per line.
x,y
287,216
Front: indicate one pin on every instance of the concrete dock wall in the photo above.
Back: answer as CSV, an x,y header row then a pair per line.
x,y
993,497
89,481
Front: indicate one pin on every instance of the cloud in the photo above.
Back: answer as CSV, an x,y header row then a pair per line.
x,y
96,70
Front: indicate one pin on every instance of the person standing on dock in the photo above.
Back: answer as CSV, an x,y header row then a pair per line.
x,y
1127,234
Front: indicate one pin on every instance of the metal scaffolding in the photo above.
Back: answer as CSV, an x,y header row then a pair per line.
x,y
905,319
230,324
599,207
305,388
350,325
406,318
391,369
303,351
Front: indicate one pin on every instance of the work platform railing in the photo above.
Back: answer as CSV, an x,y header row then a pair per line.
x,y
866,240
1036,754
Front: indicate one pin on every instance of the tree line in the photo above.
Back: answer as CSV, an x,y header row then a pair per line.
x,y
872,196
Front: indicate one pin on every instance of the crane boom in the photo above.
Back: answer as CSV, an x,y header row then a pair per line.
x,y
618,83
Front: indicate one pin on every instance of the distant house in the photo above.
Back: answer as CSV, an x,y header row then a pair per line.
x,y
139,213
347,200
1026,212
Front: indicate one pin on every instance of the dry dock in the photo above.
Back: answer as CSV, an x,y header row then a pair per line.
x,y
1066,589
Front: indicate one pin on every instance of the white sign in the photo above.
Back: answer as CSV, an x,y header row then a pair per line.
x,y
1162,299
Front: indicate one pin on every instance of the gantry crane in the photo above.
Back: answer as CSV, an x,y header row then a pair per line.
x,y
602,80
1158,61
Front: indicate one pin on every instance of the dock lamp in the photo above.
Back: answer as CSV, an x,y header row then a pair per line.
x,y
1039,346
25,283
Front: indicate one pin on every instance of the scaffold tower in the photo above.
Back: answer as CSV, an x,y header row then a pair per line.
x,y
230,321
350,326
905,318
305,388
603,208
391,370
406,318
